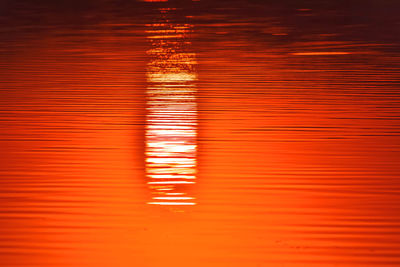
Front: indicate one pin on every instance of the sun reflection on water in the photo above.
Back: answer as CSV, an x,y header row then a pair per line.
x,y
171,122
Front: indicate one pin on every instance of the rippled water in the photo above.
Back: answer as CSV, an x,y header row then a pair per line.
x,y
199,133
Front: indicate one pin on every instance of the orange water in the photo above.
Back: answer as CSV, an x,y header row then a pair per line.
x,y
204,133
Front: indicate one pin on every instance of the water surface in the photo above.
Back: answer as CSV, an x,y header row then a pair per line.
x,y
193,133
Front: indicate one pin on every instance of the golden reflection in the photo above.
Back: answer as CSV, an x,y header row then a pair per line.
x,y
171,122
320,53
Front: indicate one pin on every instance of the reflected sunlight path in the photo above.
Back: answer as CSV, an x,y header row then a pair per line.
x,y
171,121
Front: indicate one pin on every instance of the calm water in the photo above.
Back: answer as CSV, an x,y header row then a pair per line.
x,y
199,133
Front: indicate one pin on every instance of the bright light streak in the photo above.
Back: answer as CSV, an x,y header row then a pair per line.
x,y
171,124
